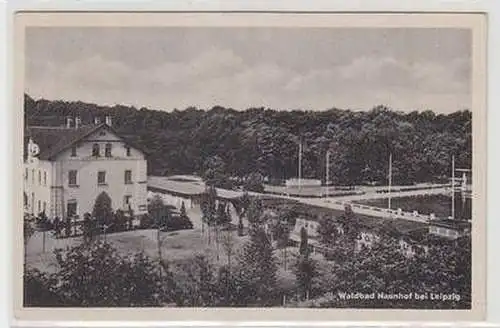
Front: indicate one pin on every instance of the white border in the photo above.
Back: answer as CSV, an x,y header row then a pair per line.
x,y
493,175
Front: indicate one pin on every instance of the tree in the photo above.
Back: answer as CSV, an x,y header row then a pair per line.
x,y
226,143
208,208
254,182
255,215
222,219
215,173
103,210
304,247
157,210
228,244
241,207
183,213
196,283
350,225
257,270
305,272
281,233
160,215
327,230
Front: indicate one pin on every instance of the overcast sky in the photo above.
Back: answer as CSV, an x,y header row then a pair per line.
x,y
281,68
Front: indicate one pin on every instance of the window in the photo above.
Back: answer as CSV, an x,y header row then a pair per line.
x,y
127,201
39,177
127,148
107,151
95,150
71,208
32,202
26,173
73,151
39,206
72,177
44,178
128,176
101,177
33,176
102,133
44,207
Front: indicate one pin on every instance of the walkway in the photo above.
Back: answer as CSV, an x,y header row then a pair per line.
x,y
337,203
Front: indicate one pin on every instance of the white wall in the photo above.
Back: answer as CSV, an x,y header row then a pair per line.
x,y
37,191
87,166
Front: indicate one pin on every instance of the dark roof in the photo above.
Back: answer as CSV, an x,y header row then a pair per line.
x,y
164,184
54,140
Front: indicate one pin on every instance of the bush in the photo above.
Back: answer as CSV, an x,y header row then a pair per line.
x,y
146,221
177,222
119,222
97,276
38,290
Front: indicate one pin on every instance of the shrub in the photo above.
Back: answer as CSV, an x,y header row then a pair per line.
x,y
178,222
39,290
146,221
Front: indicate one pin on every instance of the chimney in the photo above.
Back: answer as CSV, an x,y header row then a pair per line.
x,y
78,122
69,122
108,120
97,120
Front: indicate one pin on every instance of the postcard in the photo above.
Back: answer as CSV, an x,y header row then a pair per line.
x,y
250,166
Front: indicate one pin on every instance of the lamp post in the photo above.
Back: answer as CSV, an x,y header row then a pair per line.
x,y
327,182
300,165
453,187
390,180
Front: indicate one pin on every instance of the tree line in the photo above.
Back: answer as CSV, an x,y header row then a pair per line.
x,y
266,142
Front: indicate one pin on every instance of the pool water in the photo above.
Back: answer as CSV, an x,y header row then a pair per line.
x,y
440,205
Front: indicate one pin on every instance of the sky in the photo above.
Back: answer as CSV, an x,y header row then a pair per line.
x,y
281,68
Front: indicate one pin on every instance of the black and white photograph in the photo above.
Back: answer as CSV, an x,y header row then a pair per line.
x,y
250,166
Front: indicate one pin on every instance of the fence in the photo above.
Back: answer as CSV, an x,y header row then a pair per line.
x,y
385,212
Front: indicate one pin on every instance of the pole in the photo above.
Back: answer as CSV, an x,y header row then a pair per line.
x,y
327,173
158,243
43,242
453,187
390,179
300,164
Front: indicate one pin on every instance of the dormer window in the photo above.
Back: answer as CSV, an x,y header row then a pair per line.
x,y
73,151
107,151
95,150
128,150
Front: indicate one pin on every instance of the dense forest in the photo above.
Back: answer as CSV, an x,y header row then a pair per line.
x,y
266,141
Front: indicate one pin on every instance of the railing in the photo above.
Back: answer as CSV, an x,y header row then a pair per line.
x,y
378,211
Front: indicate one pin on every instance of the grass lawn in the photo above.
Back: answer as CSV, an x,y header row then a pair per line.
x,y
176,246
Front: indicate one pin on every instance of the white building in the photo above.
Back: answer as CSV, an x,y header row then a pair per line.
x,y
294,182
451,229
66,168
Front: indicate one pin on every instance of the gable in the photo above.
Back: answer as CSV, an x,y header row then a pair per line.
x,y
55,140
102,135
